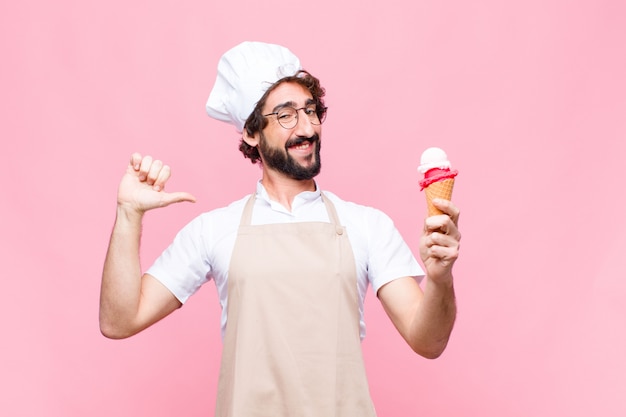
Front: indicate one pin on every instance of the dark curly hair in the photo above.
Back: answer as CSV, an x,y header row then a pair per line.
x,y
257,122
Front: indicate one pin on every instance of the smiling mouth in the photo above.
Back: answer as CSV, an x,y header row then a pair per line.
x,y
300,146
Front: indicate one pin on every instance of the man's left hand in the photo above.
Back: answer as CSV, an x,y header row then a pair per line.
x,y
439,244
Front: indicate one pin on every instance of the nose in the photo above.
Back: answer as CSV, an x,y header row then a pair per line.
x,y
304,127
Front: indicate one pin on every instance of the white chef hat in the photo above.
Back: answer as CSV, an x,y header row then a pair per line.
x,y
244,73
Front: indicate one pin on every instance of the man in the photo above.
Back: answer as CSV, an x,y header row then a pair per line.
x,y
291,262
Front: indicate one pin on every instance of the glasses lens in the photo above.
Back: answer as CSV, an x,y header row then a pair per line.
x,y
311,112
320,116
287,117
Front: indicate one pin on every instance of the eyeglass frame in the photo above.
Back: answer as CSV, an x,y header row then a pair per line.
x,y
318,110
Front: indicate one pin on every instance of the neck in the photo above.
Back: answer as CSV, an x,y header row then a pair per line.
x,y
283,189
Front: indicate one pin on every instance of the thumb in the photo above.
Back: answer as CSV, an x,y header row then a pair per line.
x,y
177,197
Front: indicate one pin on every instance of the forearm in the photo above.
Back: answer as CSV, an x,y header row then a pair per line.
x,y
121,276
434,319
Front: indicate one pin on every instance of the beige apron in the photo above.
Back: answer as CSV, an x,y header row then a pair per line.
x,y
292,345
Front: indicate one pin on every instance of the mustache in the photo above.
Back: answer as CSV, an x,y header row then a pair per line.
x,y
297,141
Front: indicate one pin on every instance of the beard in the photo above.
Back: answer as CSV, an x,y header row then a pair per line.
x,y
280,160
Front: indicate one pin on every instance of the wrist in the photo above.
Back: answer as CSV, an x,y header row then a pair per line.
x,y
128,214
444,283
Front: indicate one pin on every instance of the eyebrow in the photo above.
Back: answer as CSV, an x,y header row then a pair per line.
x,y
308,102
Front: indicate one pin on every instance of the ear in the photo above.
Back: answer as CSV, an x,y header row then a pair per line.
x,y
251,140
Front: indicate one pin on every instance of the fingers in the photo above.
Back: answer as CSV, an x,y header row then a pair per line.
x,y
448,208
141,188
152,172
441,240
446,223
158,175
441,237
437,245
135,161
443,225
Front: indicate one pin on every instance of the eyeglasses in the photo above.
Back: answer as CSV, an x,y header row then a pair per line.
x,y
288,116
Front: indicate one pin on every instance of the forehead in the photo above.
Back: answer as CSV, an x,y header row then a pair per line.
x,y
288,93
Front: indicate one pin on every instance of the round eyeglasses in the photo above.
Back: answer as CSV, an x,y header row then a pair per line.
x,y
288,116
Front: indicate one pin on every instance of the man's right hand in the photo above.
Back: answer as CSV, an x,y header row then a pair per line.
x,y
129,300
141,188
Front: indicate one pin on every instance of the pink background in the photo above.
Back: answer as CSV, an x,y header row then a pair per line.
x,y
528,98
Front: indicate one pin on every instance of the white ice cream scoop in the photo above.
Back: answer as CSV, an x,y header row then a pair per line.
x,y
433,158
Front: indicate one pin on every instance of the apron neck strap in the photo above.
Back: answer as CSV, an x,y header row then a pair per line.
x,y
246,216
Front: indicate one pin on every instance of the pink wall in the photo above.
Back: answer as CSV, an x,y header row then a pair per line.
x,y
529,100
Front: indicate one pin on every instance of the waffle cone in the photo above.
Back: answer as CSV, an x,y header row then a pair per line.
x,y
439,189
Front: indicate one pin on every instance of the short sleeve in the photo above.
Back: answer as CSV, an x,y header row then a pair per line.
x,y
389,256
183,267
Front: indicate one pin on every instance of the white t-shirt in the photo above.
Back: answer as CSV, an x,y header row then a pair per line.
x,y
202,250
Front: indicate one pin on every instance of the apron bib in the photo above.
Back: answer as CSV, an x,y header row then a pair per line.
x,y
292,346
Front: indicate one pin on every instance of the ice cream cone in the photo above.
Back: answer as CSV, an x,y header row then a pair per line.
x,y
440,189
438,178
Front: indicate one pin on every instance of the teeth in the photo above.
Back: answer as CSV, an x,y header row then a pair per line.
x,y
302,146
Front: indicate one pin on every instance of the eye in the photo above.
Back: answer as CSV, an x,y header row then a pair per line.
x,y
310,110
285,115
